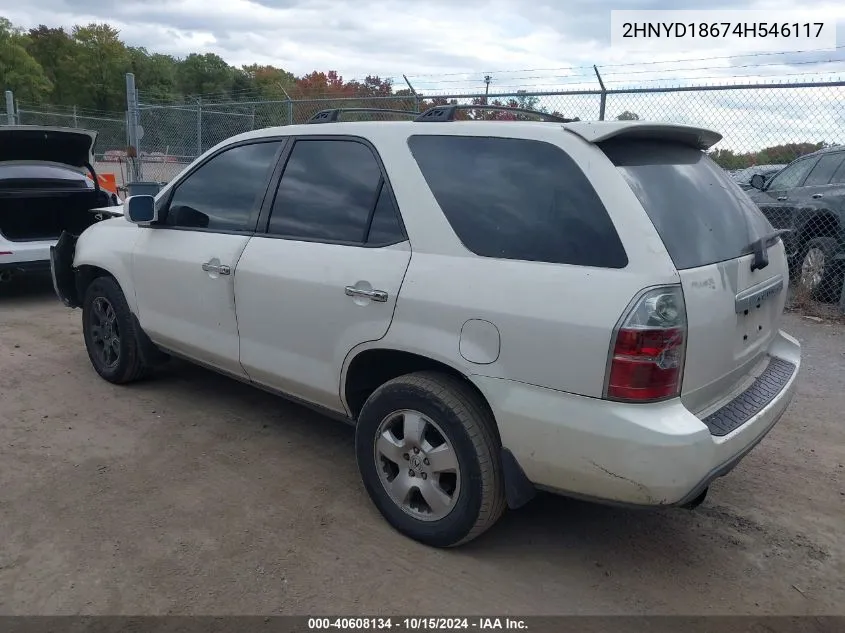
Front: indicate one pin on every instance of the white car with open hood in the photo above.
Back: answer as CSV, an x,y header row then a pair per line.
x,y
47,185
592,309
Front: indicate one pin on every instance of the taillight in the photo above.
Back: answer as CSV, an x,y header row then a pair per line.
x,y
649,348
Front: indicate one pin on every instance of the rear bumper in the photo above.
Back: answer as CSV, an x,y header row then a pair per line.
x,y
24,257
634,455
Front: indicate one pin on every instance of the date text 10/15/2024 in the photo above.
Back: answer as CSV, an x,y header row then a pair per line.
x,y
416,624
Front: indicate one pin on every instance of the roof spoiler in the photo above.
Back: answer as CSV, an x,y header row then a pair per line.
x,y
700,138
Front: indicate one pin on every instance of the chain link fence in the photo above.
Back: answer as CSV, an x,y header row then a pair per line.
x,y
764,124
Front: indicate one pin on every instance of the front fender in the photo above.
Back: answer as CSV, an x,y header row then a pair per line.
x,y
108,245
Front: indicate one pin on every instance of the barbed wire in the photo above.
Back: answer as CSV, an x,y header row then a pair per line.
x,y
625,64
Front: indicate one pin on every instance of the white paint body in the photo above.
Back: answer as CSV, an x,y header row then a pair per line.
x,y
533,337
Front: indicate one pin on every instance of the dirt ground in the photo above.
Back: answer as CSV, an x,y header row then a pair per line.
x,y
194,494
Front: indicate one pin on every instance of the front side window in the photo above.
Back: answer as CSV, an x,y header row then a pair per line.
x,y
792,176
224,194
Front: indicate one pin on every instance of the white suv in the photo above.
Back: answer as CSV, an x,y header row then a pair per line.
x,y
587,308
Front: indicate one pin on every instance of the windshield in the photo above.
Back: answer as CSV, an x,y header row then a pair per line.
x,y
701,214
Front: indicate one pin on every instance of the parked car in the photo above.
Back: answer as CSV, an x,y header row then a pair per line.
x,y
807,198
743,176
588,308
47,185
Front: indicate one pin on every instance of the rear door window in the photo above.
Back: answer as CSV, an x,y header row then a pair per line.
x,y
702,216
824,169
518,199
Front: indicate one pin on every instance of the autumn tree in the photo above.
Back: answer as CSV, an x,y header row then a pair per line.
x,y
628,116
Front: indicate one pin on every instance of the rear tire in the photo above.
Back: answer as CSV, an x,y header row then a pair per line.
x,y
817,274
110,334
429,457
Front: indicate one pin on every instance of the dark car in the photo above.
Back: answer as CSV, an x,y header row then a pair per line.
x,y
808,198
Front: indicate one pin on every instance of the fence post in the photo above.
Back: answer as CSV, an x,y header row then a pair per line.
x,y
253,117
199,126
413,92
10,107
75,121
132,130
290,111
603,97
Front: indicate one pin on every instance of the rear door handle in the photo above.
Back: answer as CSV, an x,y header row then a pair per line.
x,y
818,195
220,269
782,198
375,295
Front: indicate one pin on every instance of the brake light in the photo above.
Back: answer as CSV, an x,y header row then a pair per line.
x,y
6,253
649,349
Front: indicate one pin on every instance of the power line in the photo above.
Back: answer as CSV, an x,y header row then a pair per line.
x,y
664,70
626,64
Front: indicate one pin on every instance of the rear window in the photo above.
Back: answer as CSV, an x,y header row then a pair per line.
x,y
701,214
518,199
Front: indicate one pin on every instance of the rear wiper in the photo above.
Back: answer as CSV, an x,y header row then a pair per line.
x,y
760,248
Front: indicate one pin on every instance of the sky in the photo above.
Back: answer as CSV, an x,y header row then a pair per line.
x,y
447,46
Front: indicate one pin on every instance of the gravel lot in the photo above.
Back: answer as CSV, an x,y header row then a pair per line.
x,y
194,494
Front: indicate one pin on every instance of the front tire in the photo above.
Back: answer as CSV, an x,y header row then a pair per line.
x,y
109,332
428,454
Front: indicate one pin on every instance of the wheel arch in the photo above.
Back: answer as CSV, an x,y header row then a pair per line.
x,y
367,369
819,223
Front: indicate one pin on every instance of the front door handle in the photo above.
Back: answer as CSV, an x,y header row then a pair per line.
x,y
375,295
818,195
782,198
220,269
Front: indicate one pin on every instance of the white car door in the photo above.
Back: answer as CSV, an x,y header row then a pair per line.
x,y
325,274
183,265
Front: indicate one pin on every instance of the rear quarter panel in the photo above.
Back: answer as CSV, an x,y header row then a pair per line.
x,y
555,322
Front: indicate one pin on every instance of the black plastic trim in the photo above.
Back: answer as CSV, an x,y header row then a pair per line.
x,y
751,401
333,115
518,488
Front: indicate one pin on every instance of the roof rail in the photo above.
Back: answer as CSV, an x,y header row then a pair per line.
x,y
442,113
332,115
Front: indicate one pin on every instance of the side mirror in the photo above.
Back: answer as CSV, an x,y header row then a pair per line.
x,y
758,181
140,210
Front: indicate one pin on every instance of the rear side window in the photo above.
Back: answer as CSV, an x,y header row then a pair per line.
x,y
702,216
824,169
518,199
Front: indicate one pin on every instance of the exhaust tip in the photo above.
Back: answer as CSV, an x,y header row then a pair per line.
x,y
5,276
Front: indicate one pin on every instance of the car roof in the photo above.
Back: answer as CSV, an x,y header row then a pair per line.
x,y
590,131
824,150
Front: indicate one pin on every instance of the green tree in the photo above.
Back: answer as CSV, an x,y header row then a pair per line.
x,y
57,52
20,72
207,74
155,74
101,64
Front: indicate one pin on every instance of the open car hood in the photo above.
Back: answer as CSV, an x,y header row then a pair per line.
x,y
68,146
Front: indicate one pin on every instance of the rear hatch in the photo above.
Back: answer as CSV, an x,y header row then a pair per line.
x,y
732,265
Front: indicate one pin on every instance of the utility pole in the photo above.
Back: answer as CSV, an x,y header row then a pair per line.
x,y
487,80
